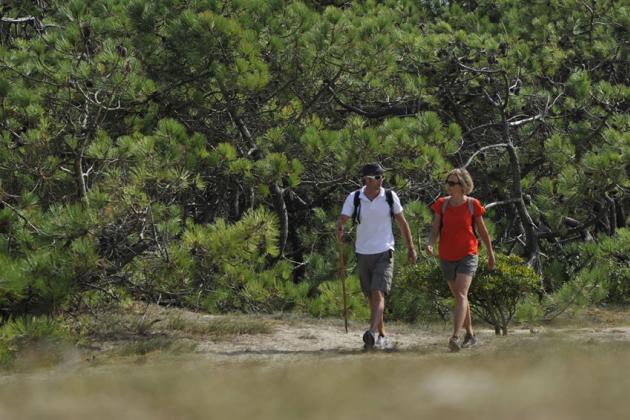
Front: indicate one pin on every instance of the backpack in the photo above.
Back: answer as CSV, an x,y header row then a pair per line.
x,y
356,214
471,210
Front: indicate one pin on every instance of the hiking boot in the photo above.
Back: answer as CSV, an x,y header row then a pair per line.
x,y
453,344
469,341
382,342
369,340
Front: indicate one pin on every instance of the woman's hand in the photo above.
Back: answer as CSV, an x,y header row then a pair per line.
x,y
412,256
430,250
491,262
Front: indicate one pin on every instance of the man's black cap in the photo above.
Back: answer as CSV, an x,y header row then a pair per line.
x,y
372,169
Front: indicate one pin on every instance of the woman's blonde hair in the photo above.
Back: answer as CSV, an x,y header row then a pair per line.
x,y
464,178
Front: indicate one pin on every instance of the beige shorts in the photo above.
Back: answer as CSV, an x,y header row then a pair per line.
x,y
467,265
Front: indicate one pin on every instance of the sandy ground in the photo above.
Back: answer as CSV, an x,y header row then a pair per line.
x,y
296,339
290,337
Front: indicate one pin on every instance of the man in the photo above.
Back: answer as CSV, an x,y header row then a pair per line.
x,y
374,244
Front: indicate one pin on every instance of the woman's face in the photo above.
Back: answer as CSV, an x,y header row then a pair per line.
x,y
453,185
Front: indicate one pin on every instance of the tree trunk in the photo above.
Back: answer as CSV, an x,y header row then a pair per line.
x,y
504,321
621,214
612,215
532,251
281,208
236,208
79,177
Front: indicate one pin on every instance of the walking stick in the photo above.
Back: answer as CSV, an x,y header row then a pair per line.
x,y
342,274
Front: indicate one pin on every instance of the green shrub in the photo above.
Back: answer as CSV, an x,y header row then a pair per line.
x,y
418,292
494,295
614,254
329,300
618,283
240,289
20,333
590,273
44,268
223,267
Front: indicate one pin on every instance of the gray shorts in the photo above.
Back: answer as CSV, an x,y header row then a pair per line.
x,y
376,272
467,265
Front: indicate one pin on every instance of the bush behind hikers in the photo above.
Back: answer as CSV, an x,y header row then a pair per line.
x,y
494,295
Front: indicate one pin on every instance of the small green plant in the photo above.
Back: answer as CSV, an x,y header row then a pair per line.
x,y
494,295
618,283
329,300
419,293
614,254
20,333
596,272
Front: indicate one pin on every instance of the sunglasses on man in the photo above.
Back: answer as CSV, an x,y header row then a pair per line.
x,y
375,177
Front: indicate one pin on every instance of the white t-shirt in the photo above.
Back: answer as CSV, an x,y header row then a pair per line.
x,y
374,233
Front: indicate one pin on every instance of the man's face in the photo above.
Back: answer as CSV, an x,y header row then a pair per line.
x,y
374,180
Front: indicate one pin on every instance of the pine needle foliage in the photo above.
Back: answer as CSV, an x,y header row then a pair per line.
x,y
137,138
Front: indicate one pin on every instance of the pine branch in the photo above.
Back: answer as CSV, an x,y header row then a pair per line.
x,y
21,216
401,109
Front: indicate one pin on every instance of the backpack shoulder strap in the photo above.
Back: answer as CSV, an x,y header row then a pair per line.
x,y
356,214
442,210
445,204
357,199
471,209
390,200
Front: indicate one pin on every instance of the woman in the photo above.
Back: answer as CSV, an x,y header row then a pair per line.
x,y
453,221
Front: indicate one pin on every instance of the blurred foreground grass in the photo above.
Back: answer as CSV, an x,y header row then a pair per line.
x,y
547,378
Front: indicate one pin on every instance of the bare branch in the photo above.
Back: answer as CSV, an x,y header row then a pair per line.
x,y
492,146
401,109
526,120
481,70
540,116
501,203
480,127
30,20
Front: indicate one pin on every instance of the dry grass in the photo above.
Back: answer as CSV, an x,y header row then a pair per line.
x,y
154,344
219,327
312,370
541,380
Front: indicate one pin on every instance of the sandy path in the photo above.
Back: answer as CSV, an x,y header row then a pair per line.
x,y
326,338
